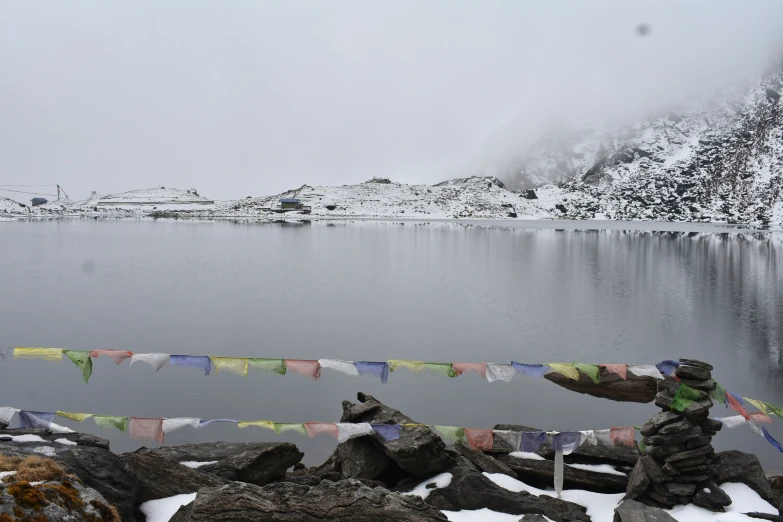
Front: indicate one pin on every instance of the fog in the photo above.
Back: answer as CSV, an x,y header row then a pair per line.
x,y
251,98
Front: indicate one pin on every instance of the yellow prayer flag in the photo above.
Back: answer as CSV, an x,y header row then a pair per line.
x,y
566,370
47,354
259,423
416,367
78,417
230,364
414,425
758,404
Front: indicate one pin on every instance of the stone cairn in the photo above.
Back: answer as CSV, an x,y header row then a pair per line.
x,y
678,466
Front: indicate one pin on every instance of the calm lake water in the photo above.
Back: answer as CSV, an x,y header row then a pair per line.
x,y
532,292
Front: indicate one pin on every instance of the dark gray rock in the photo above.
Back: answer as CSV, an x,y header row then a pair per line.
x,y
736,466
632,511
56,502
697,363
97,468
258,463
659,452
532,518
183,513
285,502
679,426
765,516
698,410
541,473
675,438
654,470
776,483
611,386
472,490
675,489
160,478
361,459
659,421
688,454
696,373
663,400
710,426
82,439
710,496
484,462
638,481
706,386
418,451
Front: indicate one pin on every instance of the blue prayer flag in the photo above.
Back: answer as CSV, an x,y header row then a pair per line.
x,y
377,369
531,441
194,361
737,397
536,370
389,432
35,419
772,441
667,367
566,441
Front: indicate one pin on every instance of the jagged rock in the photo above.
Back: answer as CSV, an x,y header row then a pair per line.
x,y
710,496
81,439
698,410
160,477
736,466
654,470
97,468
541,473
765,516
611,386
696,362
638,481
672,489
679,426
632,511
706,386
472,490
418,451
663,400
696,373
59,499
530,194
484,462
659,452
361,459
286,502
776,483
675,438
258,463
658,421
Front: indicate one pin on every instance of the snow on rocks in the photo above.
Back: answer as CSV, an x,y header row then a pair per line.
x,y
162,509
424,489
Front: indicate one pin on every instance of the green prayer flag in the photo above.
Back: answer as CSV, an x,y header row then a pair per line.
x,y
591,370
451,434
268,365
105,421
642,446
281,427
719,393
684,397
81,358
445,369
774,409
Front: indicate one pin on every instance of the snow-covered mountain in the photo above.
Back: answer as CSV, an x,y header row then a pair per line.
x,y
719,160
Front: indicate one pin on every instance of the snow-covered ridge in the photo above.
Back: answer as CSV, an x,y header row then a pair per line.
x,y
154,196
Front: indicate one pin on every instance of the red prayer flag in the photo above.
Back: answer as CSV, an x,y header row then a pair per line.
x,y
761,417
736,406
146,429
480,439
314,428
619,369
479,368
116,355
303,367
624,436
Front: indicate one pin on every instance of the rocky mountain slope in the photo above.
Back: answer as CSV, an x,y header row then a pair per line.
x,y
720,160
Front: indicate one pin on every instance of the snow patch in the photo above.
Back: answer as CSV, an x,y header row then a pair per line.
x,y
482,515
7,473
598,468
441,481
47,451
66,442
526,455
26,438
197,464
162,509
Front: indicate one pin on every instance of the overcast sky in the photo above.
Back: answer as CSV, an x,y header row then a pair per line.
x,y
246,98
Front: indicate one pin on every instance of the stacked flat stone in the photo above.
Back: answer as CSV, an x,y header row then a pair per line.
x,y
679,463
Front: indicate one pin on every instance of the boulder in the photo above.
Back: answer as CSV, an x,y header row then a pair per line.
x,y
81,439
736,466
97,468
710,496
286,502
632,511
611,386
258,463
638,481
418,452
484,462
160,478
776,482
541,473
59,499
696,373
472,490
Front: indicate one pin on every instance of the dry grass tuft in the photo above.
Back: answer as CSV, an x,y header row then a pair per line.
x,y
9,463
36,469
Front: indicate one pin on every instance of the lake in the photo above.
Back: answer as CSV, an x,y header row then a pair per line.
x,y
438,291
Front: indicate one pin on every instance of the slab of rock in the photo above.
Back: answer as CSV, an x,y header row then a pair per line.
x,y
675,438
710,496
698,410
258,463
679,426
736,466
765,516
484,462
658,421
611,386
688,455
638,481
97,468
697,363
472,490
160,478
361,459
285,502
541,473
81,439
53,500
654,470
419,451
632,511
692,372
